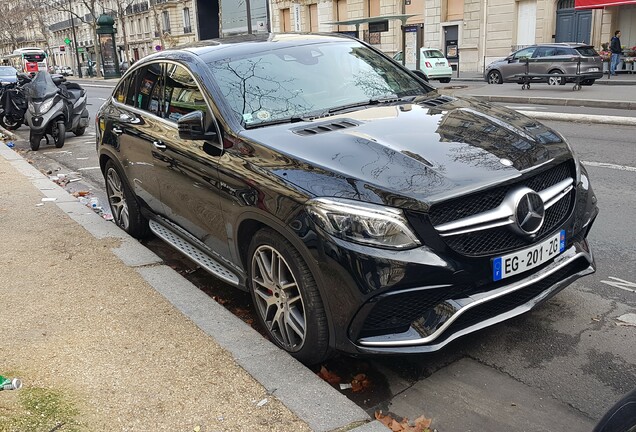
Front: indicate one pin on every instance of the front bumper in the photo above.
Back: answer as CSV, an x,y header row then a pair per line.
x,y
419,300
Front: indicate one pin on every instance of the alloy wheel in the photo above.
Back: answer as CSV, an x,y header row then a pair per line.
x,y
278,298
117,199
494,77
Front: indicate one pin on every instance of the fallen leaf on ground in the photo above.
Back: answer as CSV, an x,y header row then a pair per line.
x,y
360,383
422,424
328,376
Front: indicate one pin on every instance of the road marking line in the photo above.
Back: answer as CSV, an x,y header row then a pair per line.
x,y
82,158
609,165
88,168
622,284
101,98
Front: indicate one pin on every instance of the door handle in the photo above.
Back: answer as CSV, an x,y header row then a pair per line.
x,y
159,145
117,131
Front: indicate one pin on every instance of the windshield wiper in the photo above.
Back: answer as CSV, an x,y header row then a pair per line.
x,y
294,119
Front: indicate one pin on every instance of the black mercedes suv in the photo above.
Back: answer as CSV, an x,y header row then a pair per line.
x,y
365,212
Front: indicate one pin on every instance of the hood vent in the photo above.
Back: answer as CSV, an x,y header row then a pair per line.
x,y
328,126
441,100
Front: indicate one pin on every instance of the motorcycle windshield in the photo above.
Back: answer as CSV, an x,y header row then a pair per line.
x,y
42,87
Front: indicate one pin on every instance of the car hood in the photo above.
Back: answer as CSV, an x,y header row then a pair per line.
x,y
408,155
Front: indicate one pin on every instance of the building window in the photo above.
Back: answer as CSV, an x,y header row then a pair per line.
x,y
187,27
454,10
313,18
165,18
526,22
147,25
285,20
341,11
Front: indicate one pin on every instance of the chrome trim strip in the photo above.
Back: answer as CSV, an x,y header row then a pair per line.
x,y
504,213
488,297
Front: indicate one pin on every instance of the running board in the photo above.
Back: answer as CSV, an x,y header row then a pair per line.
x,y
194,253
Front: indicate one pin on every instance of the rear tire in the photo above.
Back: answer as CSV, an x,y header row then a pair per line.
x,y
79,131
556,80
445,80
588,82
59,136
286,299
123,203
35,140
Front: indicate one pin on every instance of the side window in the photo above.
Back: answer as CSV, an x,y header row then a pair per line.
x,y
564,52
124,91
524,53
545,52
150,89
132,89
182,94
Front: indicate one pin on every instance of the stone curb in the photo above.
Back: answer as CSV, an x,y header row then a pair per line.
x,y
591,103
310,398
581,118
602,81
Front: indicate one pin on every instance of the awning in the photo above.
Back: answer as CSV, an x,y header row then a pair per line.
x,y
599,4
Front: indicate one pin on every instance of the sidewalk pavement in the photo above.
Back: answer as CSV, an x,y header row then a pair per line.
x,y
106,337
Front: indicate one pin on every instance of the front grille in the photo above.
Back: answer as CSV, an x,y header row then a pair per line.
x,y
502,239
394,314
480,202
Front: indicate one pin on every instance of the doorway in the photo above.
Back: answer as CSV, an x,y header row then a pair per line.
x,y
572,25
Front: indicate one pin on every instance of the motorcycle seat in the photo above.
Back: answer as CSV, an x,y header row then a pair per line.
x,y
75,94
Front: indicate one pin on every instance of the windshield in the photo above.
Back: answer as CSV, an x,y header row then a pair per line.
x,y
41,87
34,57
7,71
433,54
292,82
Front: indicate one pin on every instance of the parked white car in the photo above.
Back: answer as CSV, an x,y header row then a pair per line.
x,y
432,63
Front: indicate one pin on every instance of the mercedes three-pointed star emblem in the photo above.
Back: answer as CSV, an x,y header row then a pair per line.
x,y
530,213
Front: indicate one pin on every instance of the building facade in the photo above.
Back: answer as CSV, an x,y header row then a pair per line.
x,y
472,33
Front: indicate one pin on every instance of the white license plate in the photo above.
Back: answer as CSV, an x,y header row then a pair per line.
x,y
439,64
593,70
518,262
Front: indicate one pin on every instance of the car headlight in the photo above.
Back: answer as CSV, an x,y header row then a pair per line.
x,y
364,223
46,105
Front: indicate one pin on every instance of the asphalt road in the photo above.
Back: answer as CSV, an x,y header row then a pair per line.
x,y
573,352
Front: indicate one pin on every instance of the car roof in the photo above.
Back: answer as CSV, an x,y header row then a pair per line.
x,y
562,44
214,49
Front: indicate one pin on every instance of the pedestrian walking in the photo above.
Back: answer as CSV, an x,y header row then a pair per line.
x,y
615,48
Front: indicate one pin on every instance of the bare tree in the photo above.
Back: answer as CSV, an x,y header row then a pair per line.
x,y
37,9
12,15
122,6
93,7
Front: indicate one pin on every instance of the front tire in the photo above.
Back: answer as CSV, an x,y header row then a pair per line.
x,y
59,134
123,203
445,80
494,77
286,298
35,140
9,125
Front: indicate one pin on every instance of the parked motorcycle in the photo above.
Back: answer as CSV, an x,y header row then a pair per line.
x,y
13,103
54,107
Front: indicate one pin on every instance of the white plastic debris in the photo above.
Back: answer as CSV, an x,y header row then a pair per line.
x,y
345,386
261,403
49,199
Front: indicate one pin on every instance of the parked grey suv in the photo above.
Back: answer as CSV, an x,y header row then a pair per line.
x,y
557,59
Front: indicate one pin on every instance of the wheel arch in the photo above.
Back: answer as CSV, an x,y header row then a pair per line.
x,y
251,222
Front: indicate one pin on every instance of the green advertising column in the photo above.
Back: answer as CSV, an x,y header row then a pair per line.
x,y
106,33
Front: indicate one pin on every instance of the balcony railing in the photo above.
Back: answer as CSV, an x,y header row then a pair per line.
x,y
137,8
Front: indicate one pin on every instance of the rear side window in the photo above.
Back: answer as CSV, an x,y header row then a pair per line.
x,y
182,94
587,51
565,52
125,91
546,52
433,54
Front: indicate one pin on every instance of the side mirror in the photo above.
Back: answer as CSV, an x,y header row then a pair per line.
x,y
192,127
420,74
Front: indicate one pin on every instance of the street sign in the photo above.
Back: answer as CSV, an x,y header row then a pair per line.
x,y
80,50
67,41
62,48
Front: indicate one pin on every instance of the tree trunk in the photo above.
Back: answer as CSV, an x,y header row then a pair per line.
x,y
123,32
98,50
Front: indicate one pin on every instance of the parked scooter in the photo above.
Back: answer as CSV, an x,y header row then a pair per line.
x,y
55,107
13,103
